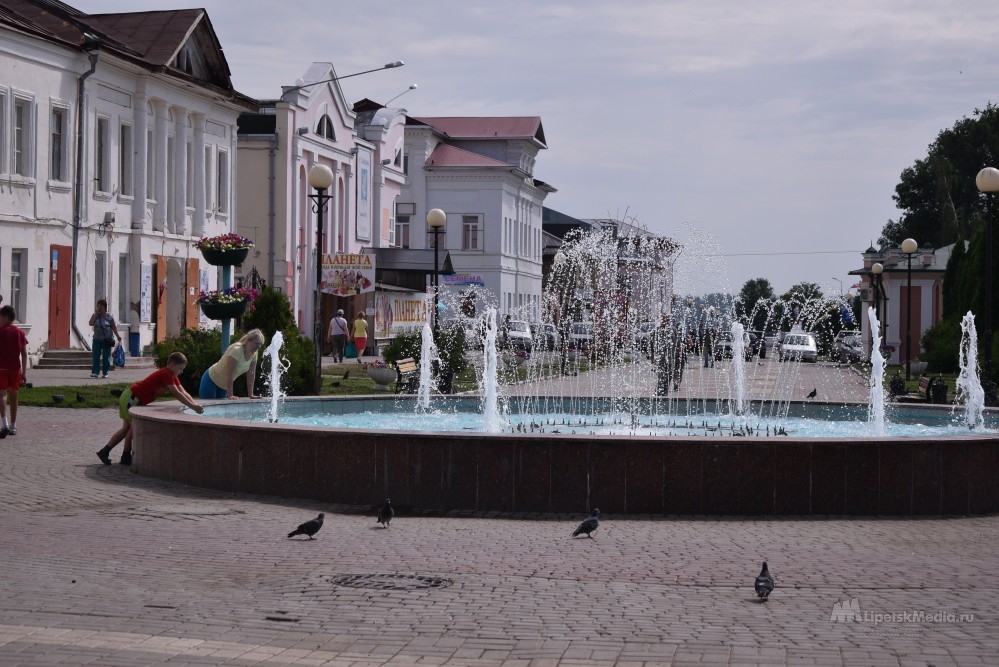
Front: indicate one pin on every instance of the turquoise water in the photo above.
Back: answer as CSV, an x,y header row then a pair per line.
x,y
603,417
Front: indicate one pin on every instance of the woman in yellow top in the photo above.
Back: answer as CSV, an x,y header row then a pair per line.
x,y
239,358
360,334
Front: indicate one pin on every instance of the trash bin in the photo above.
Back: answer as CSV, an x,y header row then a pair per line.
x,y
133,343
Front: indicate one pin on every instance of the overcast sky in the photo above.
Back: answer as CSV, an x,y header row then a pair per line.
x,y
768,137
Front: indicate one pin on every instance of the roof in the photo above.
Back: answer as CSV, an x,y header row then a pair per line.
x,y
152,39
487,127
449,156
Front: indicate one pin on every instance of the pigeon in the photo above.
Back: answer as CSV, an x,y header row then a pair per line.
x,y
80,398
764,583
386,514
309,528
813,393
589,524
346,375
116,392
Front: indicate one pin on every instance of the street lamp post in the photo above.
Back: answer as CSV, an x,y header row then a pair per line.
x,y
392,65
909,247
840,285
436,219
876,276
988,182
321,179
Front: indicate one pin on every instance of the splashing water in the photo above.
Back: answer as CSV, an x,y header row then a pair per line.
x,y
969,386
491,420
739,363
876,409
278,368
428,352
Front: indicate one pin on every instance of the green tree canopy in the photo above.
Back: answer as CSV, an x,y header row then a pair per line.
x,y
754,291
937,195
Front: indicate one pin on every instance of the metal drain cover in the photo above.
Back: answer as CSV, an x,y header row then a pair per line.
x,y
390,582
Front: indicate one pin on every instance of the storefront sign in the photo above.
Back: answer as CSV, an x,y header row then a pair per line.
x,y
346,274
399,312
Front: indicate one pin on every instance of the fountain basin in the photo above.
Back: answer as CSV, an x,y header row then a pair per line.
x,y
517,472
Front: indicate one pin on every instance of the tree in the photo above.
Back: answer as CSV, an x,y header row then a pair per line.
x,y
752,293
937,195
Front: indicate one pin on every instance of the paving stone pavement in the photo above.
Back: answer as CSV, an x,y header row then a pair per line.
x,y
100,566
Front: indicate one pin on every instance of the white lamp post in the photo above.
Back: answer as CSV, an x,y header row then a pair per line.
x,y
909,247
321,179
436,220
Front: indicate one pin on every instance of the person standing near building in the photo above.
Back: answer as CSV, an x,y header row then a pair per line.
x,y
360,333
105,333
338,336
13,368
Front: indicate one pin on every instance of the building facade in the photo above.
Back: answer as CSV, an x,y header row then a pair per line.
x,y
118,152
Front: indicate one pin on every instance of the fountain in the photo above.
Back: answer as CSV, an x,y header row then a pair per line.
x,y
877,400
969,387
584,426
278,367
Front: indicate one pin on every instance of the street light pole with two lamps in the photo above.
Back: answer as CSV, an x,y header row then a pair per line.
x,y
987,181
321,179
909,247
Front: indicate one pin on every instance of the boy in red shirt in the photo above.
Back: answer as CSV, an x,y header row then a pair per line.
x,y
13,362
145,392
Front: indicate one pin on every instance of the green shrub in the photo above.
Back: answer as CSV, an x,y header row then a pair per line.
x,y
271,313
403,346
941,345
202,347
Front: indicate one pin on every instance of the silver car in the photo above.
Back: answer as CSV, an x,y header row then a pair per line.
x,y
798,347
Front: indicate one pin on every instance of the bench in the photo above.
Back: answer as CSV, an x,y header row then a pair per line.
x,y
925,388
408,376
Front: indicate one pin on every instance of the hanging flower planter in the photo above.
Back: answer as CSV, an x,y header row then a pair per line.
x,y
223,311
224,250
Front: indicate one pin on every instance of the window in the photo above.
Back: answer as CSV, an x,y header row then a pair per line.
x,y
125,160
208,178
171,179
189,175
101,148
222,188
123,287
471,233
22,138
101,274
57,145
17,266
325,128
3,133
150,166
402,231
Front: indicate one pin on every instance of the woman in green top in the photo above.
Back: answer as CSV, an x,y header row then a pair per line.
x,y
239,358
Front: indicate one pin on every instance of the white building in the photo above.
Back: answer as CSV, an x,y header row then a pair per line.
x,y
278,143
118,152
480,172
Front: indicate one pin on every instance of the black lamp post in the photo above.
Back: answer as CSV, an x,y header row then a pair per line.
x,y
988,182
909,247
321,179
876,277
436,220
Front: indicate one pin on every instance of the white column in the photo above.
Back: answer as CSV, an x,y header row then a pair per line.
x,y
139,175
178,225
198,160
162,119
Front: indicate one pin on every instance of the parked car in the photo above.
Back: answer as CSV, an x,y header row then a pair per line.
x,y
545,336
798,347
580,336
848,349
724,348
517,335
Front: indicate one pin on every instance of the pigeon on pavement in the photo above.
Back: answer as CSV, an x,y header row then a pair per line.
x,y
589,524
346,375
385,516
309,528
764,583
813,393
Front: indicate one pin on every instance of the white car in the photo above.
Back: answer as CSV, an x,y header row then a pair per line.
x,y
517,335
798,347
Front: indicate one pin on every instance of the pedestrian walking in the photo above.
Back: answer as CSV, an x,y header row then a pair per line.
x,y
360,334
337,336
13,366
103,343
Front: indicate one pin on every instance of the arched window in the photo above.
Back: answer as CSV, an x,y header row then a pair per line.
x,y
325,128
